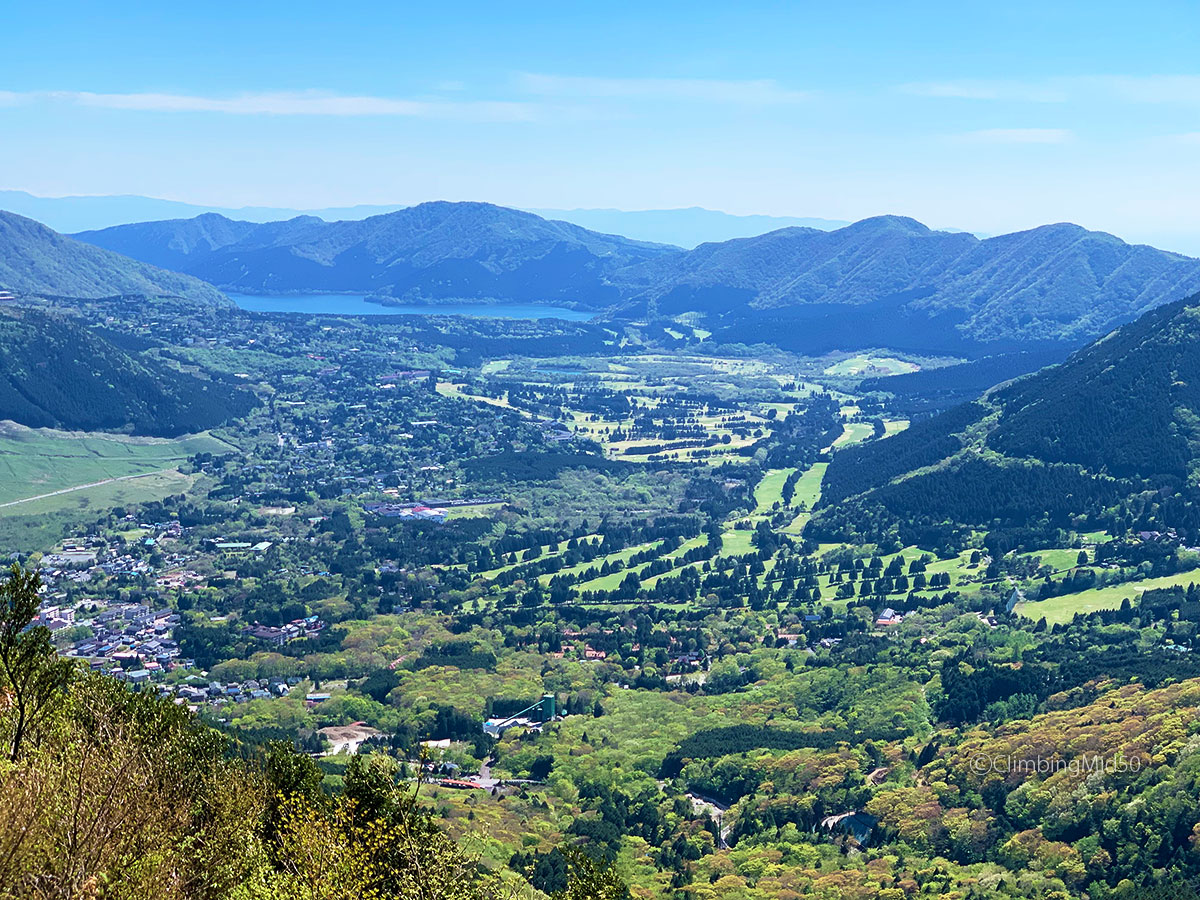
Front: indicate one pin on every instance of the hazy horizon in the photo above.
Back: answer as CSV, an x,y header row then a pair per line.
x,y
671,225
993,120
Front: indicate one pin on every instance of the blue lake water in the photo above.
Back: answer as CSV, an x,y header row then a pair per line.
x,y
350,305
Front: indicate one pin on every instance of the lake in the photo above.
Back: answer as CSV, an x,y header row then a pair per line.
x,y
351,305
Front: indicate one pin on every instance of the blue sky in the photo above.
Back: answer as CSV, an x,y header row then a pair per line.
x,y
986,119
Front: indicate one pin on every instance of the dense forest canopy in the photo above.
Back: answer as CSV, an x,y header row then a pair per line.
x,y
37,261
1086,438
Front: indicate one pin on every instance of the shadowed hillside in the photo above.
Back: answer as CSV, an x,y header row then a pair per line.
x,y
35,260
890,281
1081,439
57,373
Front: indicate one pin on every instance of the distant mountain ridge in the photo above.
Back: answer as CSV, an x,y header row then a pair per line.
x,y
885,281
913,288
682,227
35,260
91,213
435,251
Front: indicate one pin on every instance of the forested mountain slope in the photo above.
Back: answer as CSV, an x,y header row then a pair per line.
x,y
173,243
906,285
887,281
428,252
57,373
36,260
108,791
1111,434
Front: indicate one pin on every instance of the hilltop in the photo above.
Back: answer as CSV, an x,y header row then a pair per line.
x,y
429,252
35,260
1080,440
55,373
687,227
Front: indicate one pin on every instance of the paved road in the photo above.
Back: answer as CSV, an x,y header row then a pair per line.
x,y
485,779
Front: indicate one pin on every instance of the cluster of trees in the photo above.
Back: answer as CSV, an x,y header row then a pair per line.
x,y
460,654
1101,439
740,738
509,465
1115,406
970,692
475,340
612,539
857,469
799,438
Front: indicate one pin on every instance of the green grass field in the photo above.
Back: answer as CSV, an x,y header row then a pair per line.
x,y
483,510
39,524
736,542
855,432
808,492
1059,560
604,582
608,582
674,555
52,480
957,567
770,489
38,462
456,391
1060,610
548,550
808,488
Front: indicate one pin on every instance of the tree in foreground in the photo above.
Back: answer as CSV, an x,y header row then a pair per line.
x,y
32,675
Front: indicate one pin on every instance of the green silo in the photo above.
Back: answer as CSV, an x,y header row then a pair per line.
x,y
547,707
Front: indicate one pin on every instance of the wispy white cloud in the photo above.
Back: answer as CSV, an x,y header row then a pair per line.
x,y
970,89
1189,139
302,103
1179,89
533,93
761,92
1156,88
1017,136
